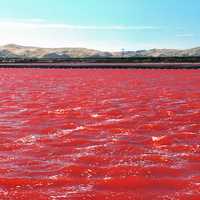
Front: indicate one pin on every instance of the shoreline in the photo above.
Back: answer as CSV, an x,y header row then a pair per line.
x,y
85,65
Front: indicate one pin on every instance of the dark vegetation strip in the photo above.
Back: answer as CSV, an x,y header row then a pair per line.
x,y
104,60
105,63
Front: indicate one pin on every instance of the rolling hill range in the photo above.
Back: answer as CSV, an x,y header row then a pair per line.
x,y
18,51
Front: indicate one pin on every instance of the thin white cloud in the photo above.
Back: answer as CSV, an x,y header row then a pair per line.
x,y
119,27
185,35
37,20
21,20
39,32
42,24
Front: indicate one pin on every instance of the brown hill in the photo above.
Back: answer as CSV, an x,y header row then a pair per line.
x,y
17,51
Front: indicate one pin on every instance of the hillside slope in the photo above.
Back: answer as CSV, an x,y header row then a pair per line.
x,y
17,51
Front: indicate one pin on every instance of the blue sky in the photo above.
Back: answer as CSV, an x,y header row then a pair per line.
x,y
101,24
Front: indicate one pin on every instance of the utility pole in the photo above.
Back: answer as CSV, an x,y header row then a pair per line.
x,y
123,53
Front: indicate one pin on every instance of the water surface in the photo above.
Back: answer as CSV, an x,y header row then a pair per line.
x,y
99,134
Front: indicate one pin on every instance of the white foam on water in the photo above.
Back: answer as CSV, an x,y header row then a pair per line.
x,y
157,139
64,132
95,115
28,140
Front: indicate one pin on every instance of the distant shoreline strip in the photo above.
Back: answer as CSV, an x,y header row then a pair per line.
x,y
102,65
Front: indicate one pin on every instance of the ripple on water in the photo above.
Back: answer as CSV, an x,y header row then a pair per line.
x,y
79,134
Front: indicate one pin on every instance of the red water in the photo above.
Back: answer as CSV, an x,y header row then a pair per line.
x,y
99,134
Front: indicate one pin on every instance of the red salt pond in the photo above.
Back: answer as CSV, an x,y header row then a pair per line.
x,y
99,134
